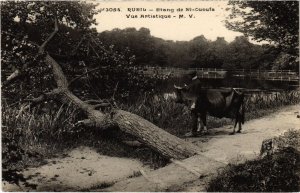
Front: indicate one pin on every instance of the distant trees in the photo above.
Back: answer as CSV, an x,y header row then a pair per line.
x,y
242,54
198,52
276,22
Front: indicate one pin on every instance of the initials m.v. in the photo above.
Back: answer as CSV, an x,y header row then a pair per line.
x,y
219,103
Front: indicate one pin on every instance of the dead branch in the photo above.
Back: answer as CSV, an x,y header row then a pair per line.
x,y
80,76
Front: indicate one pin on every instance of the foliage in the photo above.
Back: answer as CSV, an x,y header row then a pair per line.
x,y
76,47
198,52
25,25
243,54
142,45
176,118
274,21
286,61
164,113
45,131
256,103
278,172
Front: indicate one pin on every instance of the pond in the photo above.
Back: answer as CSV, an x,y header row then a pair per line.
x,y
167,85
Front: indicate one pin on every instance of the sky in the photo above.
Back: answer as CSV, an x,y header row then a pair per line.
x,y
208,23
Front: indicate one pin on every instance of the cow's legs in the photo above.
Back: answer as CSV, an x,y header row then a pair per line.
x,y
194,124
200,124
233,132
203,120
240,123
236,121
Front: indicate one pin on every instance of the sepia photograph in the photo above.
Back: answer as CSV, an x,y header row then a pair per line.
x,y
150,96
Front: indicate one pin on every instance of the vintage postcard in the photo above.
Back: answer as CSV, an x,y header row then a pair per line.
x,y
150,96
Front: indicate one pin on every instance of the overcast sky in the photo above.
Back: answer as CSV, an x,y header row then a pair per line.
x,y
207,23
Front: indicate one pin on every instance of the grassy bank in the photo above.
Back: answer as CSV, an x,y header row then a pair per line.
x,y
28,138
176,118
276,172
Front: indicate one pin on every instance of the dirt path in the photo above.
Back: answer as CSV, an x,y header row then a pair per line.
x,y
81,169
241,147
84,169
227,148
217,150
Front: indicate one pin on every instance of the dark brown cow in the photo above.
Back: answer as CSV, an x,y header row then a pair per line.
x,y
219,103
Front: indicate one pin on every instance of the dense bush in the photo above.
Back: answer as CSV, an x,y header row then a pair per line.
x,y
270,174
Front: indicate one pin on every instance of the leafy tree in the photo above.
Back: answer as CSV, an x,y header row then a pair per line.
x,y
242,54
218,49
198,48
286,61
273,21
25,25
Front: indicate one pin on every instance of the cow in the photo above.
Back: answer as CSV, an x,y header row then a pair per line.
x,y
218,103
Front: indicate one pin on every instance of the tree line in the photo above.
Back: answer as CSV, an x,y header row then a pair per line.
x,y
198,52
81,50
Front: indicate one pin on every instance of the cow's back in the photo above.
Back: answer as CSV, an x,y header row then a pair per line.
x,y
219,103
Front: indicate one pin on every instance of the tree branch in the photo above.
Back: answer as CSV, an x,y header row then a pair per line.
x,y
42,47
94,101
101,105
95,51
76,48
15,75
80,76
85,122
43,97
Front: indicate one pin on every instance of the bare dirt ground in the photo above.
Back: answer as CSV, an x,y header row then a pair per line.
x,y
241,147
84,169
81,169
217,150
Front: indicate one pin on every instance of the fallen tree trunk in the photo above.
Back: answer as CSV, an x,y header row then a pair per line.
x,y
168,145
159,140
146,132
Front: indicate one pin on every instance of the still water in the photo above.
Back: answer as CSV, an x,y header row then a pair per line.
x,y
167,85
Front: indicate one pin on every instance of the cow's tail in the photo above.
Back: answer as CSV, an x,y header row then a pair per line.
x,y
242,107
243,110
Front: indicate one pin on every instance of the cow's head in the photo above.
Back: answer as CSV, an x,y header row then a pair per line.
x,y
181,93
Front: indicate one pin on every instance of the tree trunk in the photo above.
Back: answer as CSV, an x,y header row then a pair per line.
x,y
161,141
146,132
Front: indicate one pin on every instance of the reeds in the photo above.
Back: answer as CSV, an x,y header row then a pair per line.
x,y
50,130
